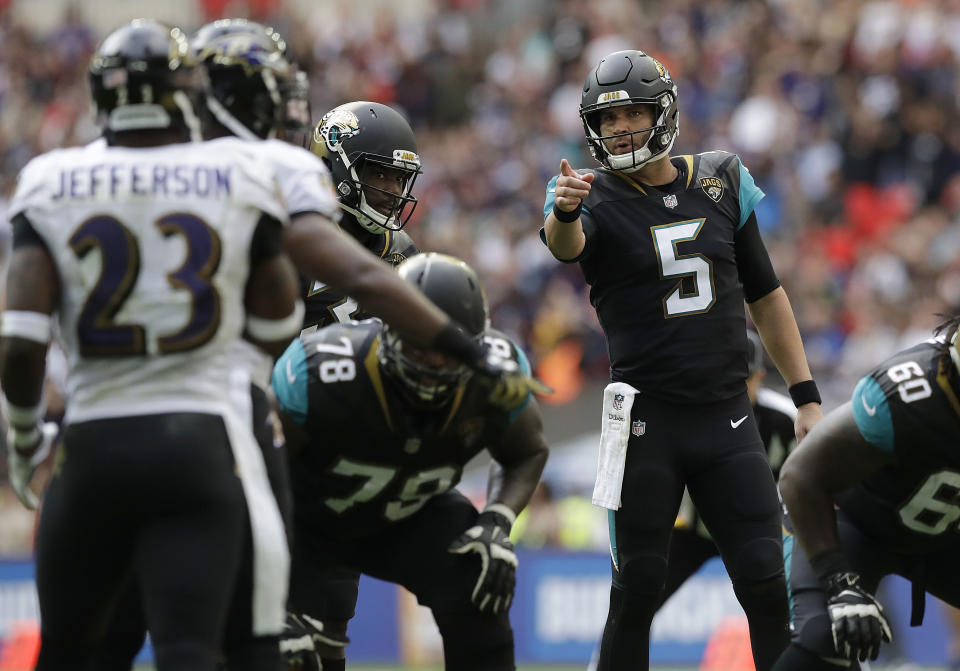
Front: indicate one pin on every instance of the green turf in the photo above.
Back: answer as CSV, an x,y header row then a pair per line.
x,y
579,667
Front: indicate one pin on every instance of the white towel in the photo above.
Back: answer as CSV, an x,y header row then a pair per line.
x,y
614,434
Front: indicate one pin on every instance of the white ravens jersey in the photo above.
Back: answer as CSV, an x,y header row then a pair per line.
x,y
306,186
152,246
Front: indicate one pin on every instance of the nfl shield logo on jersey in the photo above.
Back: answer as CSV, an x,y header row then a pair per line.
x,y
670,201
638,428
618,401
713,187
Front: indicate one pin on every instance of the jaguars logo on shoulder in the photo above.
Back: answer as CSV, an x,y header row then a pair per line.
x,y
336,126
713,187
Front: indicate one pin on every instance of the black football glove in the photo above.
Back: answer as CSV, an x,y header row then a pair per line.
x,y
489,538
856,618
297,647
509,385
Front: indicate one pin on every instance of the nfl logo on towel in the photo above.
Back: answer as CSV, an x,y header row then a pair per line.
x,y
618,401
638,428
670,201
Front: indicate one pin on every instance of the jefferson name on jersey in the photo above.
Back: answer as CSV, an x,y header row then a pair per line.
x,y
102,180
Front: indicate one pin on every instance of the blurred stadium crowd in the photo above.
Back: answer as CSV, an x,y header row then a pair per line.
x,y
842,109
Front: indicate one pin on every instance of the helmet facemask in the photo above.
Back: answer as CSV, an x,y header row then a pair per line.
x,y
379,208
427,379
658,143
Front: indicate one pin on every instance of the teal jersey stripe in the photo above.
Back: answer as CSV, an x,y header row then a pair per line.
x,y
524,364
787,559
872,414
612,525
750,194
550,199
289,381
551,196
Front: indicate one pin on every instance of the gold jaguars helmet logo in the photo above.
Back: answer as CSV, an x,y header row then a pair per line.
x,y
336,126
662,71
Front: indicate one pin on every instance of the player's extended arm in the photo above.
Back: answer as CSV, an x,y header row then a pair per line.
x,y
33,291
520,456
323,252
562,227
834,457
274,309
519,459
778,330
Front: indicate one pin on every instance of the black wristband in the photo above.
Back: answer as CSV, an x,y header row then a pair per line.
x,y
567,217
805,392
827,563
454,341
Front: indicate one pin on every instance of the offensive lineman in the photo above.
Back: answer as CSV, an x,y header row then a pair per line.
x,y
379,432
873,490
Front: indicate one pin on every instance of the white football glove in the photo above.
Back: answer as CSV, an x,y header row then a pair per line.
x,y
22,467
857,620
489,538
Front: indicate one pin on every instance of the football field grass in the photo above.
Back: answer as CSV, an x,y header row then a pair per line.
x,y
579,667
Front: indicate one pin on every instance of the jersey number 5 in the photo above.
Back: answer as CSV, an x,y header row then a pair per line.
x,y
98,333
697,267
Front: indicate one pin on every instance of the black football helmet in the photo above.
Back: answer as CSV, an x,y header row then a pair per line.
x,y
209,32
629,78
247,76
144,77
359,136
454,287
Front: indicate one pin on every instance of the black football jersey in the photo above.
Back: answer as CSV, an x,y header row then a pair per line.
x,y
373,459
664,279
908,407
326,306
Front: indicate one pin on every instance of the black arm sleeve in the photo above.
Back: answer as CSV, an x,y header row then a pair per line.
x,y
753,262
267,240
24,234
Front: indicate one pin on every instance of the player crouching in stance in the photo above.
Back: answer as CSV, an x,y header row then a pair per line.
x,y
379,432
871,491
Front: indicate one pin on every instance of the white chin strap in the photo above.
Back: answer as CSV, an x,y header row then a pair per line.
x,y
638,158
362,218
228,121
190,117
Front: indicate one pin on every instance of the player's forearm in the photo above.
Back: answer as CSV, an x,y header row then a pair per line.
x,y
777,327
32,294
811,510
22,370
513,485
322,252
565,240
